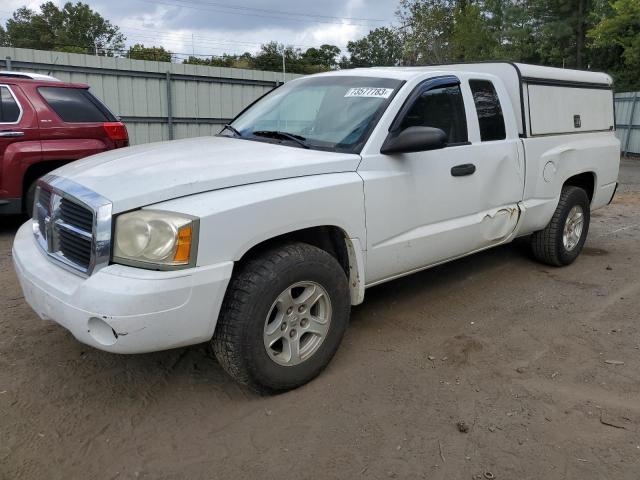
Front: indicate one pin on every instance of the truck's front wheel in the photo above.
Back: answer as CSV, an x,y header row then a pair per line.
x,y
283,317
562,239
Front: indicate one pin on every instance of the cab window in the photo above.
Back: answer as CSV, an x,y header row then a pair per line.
x,y
439,107
488,109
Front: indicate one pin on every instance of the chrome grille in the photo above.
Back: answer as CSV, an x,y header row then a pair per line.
x,y
76,215
42,209
72,224
73,232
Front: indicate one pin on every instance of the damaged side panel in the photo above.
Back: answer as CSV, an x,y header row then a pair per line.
x,y
499,225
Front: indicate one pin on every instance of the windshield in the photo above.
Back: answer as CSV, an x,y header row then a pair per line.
x,y
327,113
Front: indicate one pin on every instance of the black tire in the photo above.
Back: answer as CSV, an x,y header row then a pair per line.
x,y
547,245
238,342
30,198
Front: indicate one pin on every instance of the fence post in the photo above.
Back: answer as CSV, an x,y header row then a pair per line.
x,y
169,106
630,123
8,63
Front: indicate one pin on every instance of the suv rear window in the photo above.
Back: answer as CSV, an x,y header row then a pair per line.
x,y
9,109
75,105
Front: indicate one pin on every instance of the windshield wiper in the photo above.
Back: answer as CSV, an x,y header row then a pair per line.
x,y
228,126
299,139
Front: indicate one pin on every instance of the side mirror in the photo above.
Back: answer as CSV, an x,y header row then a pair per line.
x,y
414,139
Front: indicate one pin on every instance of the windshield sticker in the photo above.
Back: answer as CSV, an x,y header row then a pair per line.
x,y
369,92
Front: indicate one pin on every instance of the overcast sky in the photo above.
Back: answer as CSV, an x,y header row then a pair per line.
x,y
235,26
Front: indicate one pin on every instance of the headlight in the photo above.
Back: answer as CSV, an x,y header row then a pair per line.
x,y
160,239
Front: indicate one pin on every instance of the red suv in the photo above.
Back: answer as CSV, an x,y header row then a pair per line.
x,y
45,123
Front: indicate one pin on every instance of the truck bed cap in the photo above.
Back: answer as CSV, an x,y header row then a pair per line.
x,y
515,76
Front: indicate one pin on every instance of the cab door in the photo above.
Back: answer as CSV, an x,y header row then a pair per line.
x,y
17,123
19,145
424,208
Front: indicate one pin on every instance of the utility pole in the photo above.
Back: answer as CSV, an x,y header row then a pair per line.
x,y
284,71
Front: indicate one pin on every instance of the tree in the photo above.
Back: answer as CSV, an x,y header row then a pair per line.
x,y
515,34
140,52
381,47
427,28
4,41
320,59
471,36
74,28
559,28
230,61
616,41
270,57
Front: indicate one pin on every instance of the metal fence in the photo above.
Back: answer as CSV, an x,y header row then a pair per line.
x,y
157,100
628,121
163,101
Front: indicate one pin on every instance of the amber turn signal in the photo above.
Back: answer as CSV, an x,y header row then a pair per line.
x,y
183,247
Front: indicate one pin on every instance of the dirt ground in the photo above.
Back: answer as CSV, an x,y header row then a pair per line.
x,y
525,355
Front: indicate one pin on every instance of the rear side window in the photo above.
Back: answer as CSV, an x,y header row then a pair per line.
x,y
442,108
75,105
9,108
488,109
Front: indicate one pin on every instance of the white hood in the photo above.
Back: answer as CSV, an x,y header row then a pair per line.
x,y
147,174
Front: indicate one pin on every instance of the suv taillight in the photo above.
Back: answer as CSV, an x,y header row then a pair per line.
x,y
117,132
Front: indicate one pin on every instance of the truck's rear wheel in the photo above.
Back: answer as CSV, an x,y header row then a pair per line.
x,y
562,239
283,317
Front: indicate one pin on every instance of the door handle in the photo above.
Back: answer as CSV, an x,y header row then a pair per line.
x,y
462,170
11,134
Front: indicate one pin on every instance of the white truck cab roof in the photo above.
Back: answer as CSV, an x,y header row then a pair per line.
x,y
523,83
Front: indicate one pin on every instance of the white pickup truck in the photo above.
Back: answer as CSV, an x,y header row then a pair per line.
x,y
260,239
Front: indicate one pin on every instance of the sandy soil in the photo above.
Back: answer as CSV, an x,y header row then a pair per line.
x,y
516,350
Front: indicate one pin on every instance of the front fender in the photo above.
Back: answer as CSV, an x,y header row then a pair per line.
x,y
235,219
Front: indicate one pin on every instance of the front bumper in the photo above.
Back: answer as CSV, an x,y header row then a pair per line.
x,y
122,309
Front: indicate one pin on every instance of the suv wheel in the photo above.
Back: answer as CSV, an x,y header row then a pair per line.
x,y
562,239
283,317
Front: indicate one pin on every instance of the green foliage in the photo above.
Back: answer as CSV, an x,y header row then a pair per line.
x,y
516,33
471,36
73,28
269,58
381,47
426,30
226,60
140,52
593,34
616,38
4,40
323,58
560,27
